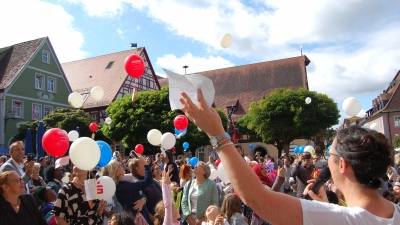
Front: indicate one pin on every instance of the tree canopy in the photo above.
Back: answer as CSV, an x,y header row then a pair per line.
x,y
150,110
283,116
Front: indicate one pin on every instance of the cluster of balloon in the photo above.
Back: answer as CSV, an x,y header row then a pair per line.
x,y
185,146
108,121
351,106
308,100
139,148
93,127
251,146
134,66
309,149
55,142
97,93
300,149
180,133
226,40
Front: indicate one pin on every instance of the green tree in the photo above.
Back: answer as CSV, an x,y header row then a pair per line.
x,y
396,141
151,110
283,116
66,119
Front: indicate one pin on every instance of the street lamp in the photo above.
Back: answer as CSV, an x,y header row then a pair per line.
x,y
185,67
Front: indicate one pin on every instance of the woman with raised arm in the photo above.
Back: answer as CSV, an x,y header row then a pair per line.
x,y
359,157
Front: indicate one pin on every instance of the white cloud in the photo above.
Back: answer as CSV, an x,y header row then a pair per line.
x,y
138,27
40,19
196,64
101,8
119,31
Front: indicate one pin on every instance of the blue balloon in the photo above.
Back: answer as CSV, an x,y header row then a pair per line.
x,y
194,161
251,146
105,153
302,149
185,145
327,154
181,132
329,147
228,134
296,150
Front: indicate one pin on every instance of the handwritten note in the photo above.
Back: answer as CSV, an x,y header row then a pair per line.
x,y
189,84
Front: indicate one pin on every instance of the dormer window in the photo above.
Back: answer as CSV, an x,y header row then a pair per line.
x,y
230,105
46,57
110,64
231,110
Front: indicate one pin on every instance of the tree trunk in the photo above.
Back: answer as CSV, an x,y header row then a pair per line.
x,y
286,147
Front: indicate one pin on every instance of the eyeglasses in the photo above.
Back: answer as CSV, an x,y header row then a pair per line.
x,y
330,153
18,180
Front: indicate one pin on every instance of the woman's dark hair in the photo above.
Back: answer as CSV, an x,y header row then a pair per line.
x,y
332,197
49,174
42,194
169,156
153,167
125,218
367,151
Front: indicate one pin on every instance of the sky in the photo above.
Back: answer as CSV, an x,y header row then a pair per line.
x,y
353,45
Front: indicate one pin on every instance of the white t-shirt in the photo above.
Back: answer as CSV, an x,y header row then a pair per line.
x,y
315,212
208,223
110,205
193,199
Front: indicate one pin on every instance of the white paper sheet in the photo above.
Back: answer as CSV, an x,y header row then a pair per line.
x,y
189,84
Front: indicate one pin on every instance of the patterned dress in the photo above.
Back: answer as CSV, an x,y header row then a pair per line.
x,y
71,205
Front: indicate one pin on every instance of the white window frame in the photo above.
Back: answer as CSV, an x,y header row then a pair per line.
x,y
40,111
21,109
94,113
201,151
398,121
47,107
54,84
48,56
42,79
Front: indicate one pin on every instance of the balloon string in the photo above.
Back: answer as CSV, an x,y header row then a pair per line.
x,y
93,135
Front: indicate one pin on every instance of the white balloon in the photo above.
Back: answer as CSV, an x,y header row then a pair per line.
x,y
105,188
375,126
211,166
154,137
168,140
213,174
226,40
65,178
65,132
222,173
351,106
84,153
97,93
309,149
308,100
108,120
73,135
75,100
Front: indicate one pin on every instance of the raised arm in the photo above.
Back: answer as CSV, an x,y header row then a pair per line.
x,y
166,192
240,174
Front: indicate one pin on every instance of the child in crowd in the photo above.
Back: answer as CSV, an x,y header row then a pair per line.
x,y
122,218
108,211
176,194
47,196
232,209
214,216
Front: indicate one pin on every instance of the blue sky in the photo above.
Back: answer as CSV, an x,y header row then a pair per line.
x,y
353,46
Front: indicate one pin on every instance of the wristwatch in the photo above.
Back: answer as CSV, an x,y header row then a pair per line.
x,y
215,140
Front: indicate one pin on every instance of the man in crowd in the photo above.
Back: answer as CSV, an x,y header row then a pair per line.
x,y
160,160
302,171
43,166
318,162
286,187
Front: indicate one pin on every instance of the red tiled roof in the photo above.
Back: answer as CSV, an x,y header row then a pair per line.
x,y
87,73
15,58
252,82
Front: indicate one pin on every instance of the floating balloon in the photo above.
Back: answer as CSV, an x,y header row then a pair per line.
x,y
97,93
226,40
173,150
222,173
75,100
85,153
180,133
309,149
351,106
134,66
296,150
168,140
73,135
194,161
105,188
105,153
108,120
185,145
55,142
217,162
181,122
154,137
308,100
251,146
93,127
213,174
375,126
301,149
139,149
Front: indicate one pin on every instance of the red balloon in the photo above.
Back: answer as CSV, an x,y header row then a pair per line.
x,y
55,142
134,66
93,127
173,150
217,162
139,149
181,122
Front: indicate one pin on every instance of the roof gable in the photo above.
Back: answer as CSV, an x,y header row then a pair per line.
x,y
248,83
15,58
394,101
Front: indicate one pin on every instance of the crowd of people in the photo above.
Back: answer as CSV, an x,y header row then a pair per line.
x,y
261,190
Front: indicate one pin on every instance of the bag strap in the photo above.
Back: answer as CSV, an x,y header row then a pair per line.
x,y
187,192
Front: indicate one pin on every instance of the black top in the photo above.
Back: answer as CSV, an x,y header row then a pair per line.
x,y
28,212
36,183
175,172
71,205
153,193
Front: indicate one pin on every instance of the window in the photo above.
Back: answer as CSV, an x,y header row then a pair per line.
x,y
200,154
51,84
118,148
397,121
36,111
94,115
47,110
46,57
109,65
39,81
17,108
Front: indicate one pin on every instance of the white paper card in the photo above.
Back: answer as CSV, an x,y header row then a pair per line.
x,y
189,84
90,189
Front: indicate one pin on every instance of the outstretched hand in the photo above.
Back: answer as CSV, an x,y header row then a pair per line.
x,y
166,176
319,196
203,116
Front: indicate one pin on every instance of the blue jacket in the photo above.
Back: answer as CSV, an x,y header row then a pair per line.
x,y
128,193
